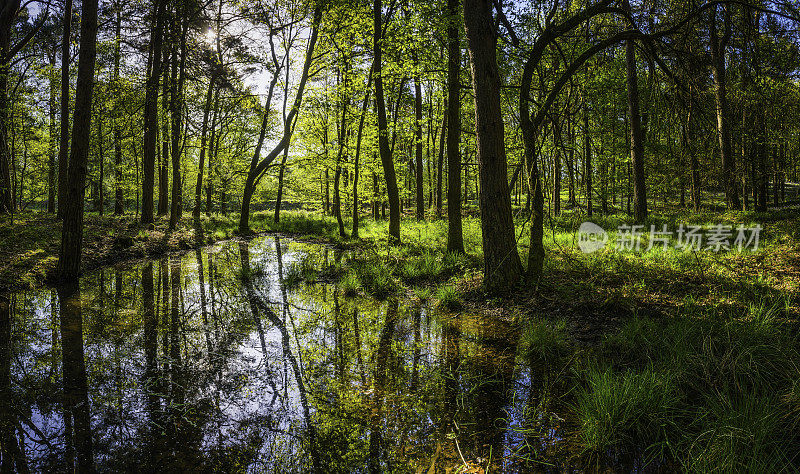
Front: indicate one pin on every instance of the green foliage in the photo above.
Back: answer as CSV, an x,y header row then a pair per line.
x,y
448,297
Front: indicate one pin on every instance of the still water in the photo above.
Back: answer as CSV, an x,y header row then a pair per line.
x,y
222,360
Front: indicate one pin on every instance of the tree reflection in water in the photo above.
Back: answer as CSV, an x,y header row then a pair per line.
x,y
213,362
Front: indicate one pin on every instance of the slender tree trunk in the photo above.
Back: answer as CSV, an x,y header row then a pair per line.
x,y
440,161
198,190
718,46
455,237
636,136
694,165
502,267
101,158
52,152
557,170
570,164
151,114
587,161
358,152
257,168
212,153
63,146
178,80
383,140
69,259
118,194
418,148
164,131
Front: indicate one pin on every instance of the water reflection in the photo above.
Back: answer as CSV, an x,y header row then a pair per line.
x,y
210,362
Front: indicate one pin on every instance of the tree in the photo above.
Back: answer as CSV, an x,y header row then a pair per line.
x,y
259,166
636,139
718,46
455,238
8,16
69,258
151,111
502,268
383,138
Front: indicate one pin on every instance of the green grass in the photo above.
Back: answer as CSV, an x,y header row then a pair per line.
x,y
627,410
447,297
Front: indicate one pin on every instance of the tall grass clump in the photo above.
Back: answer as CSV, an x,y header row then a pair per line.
x,y
375,277
621,410
350,283
300,271
425,266
545,343
448,297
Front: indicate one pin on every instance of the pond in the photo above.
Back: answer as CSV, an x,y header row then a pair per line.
x,y
223,360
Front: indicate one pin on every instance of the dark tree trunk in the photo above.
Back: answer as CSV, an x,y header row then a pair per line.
x,y
440,162
358,153
198,190
383,140
343,132
163,163
587,161
502,267
557,169
176,106
151,114
571,165
118,194
455,235
718,46
257,168
636,135
101,159
69,259
51,172
63,145
279,198
418,149
212,153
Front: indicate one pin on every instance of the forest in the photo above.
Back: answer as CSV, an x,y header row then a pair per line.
x,y
432,236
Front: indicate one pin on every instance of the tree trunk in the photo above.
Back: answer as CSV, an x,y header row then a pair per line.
x,y
383,140
118,194
257,168
51,171
557,169
69,259
177,82
637,145
101,158
198,190
418,149
63,145
151,114
587,161
212,152
163,170
358,152
502,267
718,46
440,161
455,237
